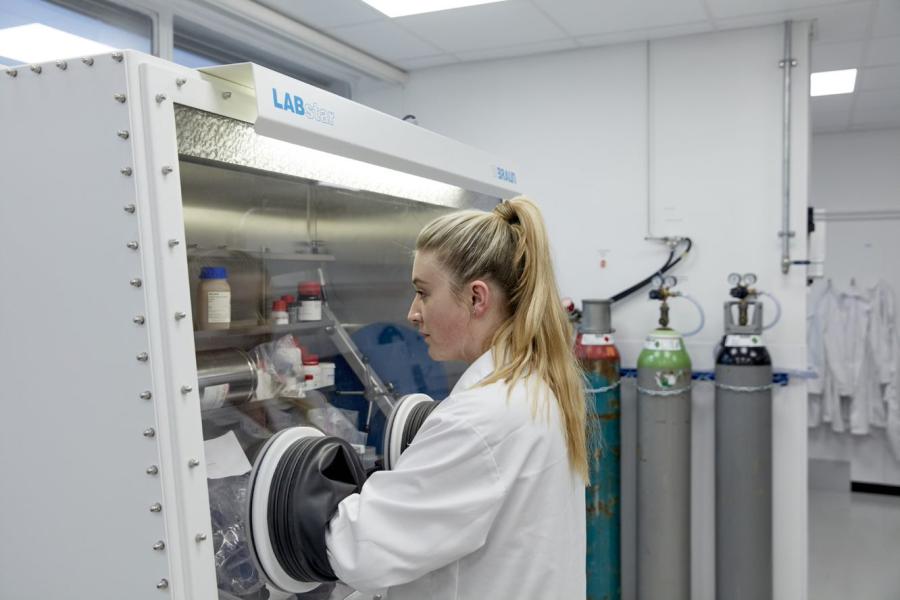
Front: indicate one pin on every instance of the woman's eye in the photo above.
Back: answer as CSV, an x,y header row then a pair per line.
x,y
420,293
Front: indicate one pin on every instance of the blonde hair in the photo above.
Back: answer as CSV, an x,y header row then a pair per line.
x,y
510,247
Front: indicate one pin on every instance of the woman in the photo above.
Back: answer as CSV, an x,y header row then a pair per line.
x,y
488,500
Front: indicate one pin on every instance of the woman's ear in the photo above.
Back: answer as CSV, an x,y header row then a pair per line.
x,y
480,298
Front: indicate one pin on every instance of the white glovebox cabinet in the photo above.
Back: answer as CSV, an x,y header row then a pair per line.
x,y
123,177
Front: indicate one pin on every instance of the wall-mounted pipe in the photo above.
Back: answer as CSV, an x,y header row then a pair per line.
x,y
787,63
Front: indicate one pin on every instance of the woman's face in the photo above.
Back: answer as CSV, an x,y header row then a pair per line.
x,y
440,315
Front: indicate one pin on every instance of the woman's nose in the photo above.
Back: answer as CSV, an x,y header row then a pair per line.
x,y
414,316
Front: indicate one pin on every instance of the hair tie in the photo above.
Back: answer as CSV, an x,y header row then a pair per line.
x,y
507,212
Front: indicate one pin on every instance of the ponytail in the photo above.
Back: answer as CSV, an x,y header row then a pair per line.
x,y
510,246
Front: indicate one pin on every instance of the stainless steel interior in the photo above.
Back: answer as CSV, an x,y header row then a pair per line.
x,y
273,216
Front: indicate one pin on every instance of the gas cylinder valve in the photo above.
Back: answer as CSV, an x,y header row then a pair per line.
x,y
743,293
662,291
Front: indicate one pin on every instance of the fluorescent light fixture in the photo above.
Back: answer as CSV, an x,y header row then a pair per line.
x,y
402,8
35,43
827,83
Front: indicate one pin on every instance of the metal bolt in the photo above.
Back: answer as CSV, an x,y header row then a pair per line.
x,y
200,537
149,432
152,470
122,133
226,95
180,315
163,584
166,170
193,463
186,389
156,507
143,357
180,81
126,171
160,545
117,56
138,320
12,72
173,243
136,282
37,69
120,97
88,61
146,395
62,65
132,245
129,208
160,98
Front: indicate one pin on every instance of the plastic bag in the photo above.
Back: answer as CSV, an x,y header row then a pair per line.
x,y
279,367
333,421
235,571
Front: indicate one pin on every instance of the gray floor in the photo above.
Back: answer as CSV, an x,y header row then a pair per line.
x,y
854,546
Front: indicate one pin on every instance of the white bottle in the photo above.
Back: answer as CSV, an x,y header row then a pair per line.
x,y
326,371
215,299
279,314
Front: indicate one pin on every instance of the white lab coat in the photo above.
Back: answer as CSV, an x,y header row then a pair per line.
x,y
883,356
837,340
482,505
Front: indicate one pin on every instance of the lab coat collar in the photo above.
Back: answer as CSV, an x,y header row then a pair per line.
x,y
477,371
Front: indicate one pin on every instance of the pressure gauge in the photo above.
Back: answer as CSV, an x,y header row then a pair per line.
x,y
734,279
749,279
657,281
670,281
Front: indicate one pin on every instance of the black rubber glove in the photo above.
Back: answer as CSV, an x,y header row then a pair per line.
x,y
311,479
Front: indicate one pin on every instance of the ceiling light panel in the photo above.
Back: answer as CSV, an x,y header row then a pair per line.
x,y
827,83
402,8
36,43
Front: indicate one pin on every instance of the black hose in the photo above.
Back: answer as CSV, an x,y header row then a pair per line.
x,y
669,264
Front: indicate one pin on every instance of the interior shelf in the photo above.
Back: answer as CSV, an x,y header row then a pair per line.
x,y
262,254
206,340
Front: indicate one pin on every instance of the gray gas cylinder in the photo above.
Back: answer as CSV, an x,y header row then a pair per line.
x,y
664,468
743,457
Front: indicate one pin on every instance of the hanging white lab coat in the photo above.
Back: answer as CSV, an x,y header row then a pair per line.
x,y
882,358
855,313
837,342
482,505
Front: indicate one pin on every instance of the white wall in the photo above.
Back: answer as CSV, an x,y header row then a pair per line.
x,y
695,123
859,171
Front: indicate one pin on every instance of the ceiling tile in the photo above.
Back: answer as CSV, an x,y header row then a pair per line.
x,y
725,9
889,117
521,50
325,15
829,57
826,121
386,40
645,34
887,18
879,78
486,26
883,51
876,100
837,102
585,17
843,23
411,64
